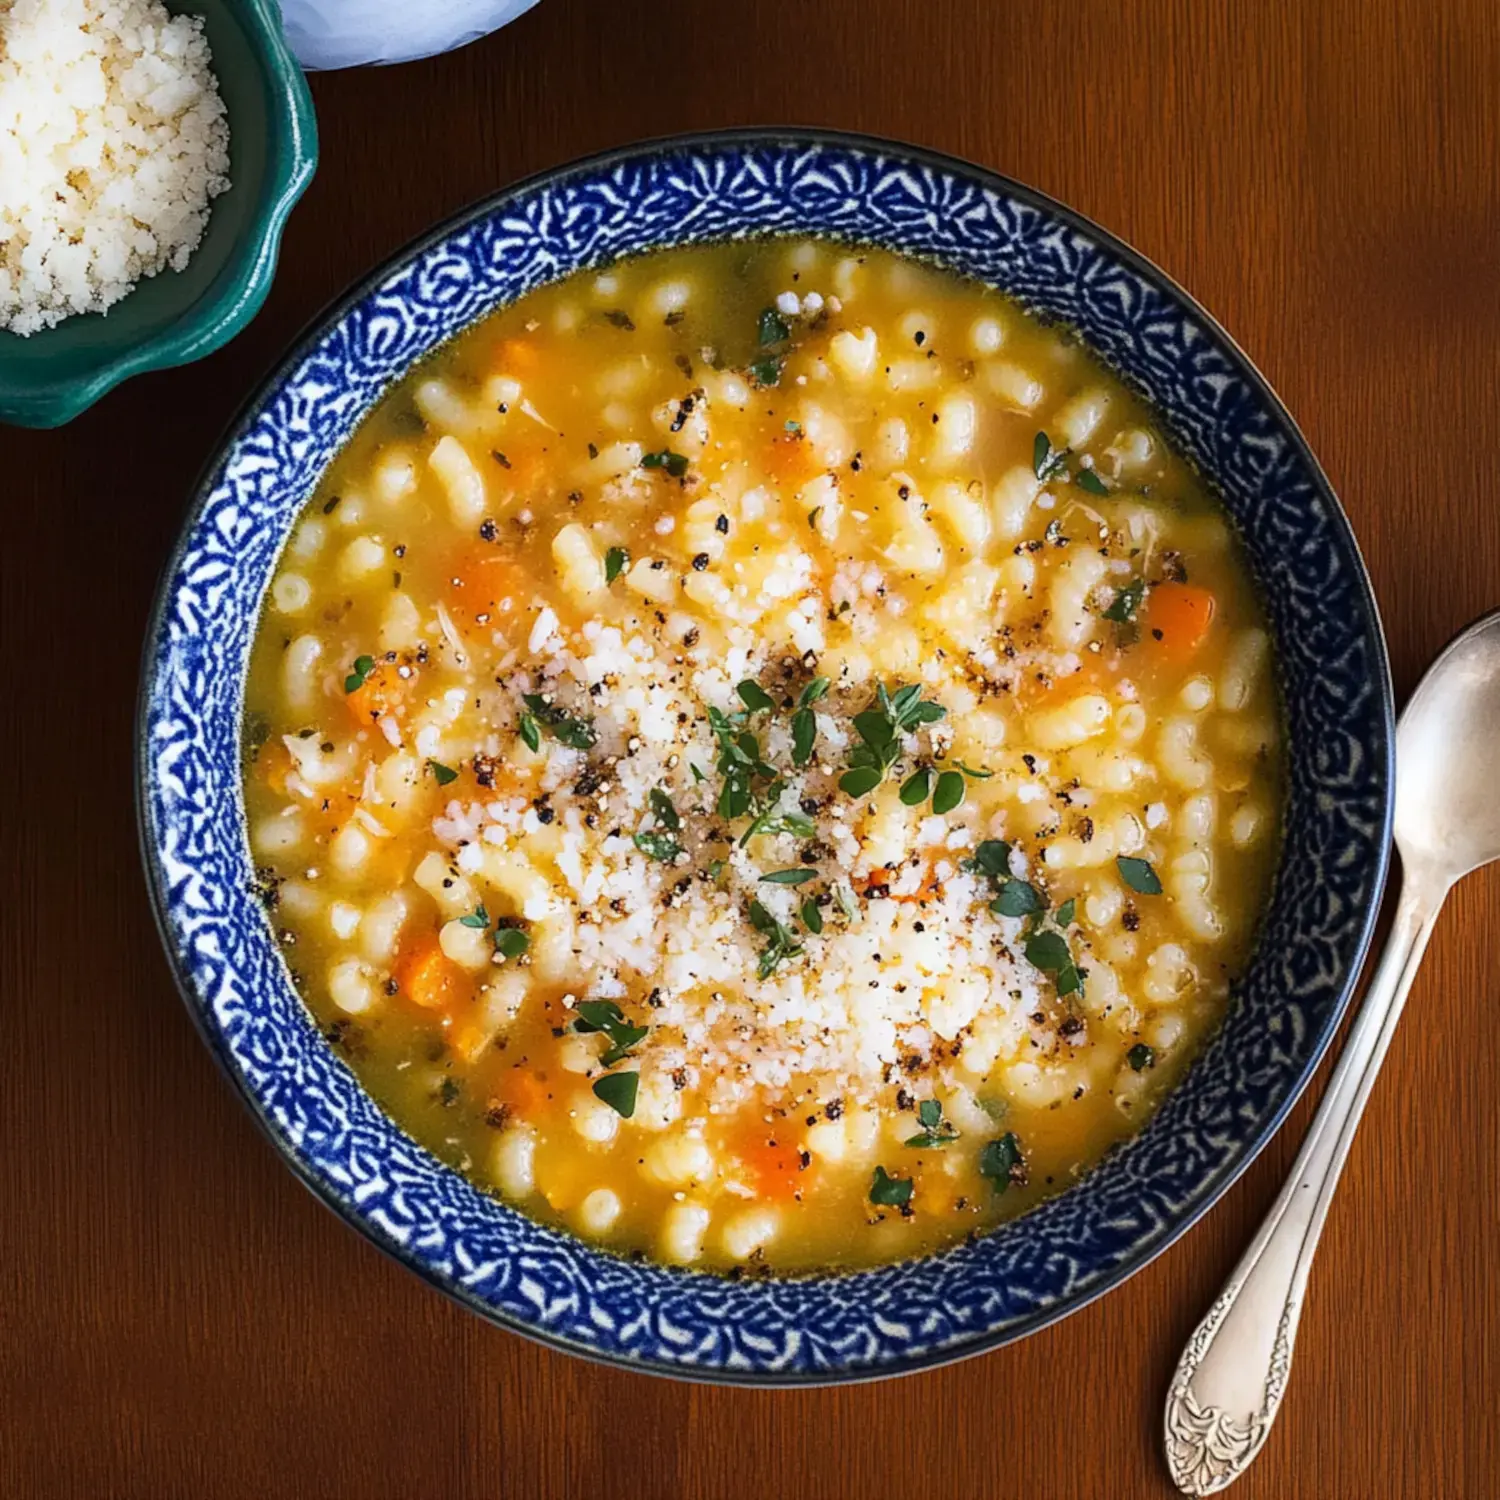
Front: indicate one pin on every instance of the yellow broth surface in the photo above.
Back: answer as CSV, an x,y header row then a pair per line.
x,y
763,756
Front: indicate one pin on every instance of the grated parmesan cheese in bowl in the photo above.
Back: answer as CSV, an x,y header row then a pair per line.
x,y
113,141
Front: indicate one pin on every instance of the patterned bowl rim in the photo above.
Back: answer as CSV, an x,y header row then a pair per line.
x,y
795,137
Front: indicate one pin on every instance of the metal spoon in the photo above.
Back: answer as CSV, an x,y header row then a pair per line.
x,y
1232,1375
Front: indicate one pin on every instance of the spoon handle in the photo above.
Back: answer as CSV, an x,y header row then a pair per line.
x,y
1232,1375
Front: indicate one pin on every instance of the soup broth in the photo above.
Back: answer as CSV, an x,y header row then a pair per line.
x,y
763,756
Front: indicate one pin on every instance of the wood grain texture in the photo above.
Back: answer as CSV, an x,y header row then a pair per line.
x,y
178,1318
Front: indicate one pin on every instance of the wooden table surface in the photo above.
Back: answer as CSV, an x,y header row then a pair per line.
x,y
179,1318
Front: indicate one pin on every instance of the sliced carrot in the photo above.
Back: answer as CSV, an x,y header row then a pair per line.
x,y
273,764
770,1157
383,691
518,356
790,459
1177,618
526,1094
481,582
429,979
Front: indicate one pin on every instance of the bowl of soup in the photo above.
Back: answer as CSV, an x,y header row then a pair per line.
x,y
768,758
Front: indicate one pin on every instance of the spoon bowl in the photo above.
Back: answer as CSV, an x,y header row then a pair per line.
x,y
1448,751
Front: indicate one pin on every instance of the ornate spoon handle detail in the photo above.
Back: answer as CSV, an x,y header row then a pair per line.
x,y
1231,1377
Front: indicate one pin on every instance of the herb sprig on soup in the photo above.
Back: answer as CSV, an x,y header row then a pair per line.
x,y
764,757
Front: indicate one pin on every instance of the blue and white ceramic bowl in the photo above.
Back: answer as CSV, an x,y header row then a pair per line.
x,y
536,1280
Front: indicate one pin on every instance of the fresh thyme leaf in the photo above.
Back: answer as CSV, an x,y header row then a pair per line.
x,y
924,713
1069,981
597,1015
577,734
754,697
936,1131
857,783
1123,608
1138,875
675,464
993,857
1017,898
804,733
798,876
442,774
1048,951
618,1090
772,328
479,918
795,428
916,787
845,898
1089,481
1065,912
661,806
949,792
657,845
1045,459
973,772
766,372
1141,1057
816,689
622,1039
530,733
780,942
1002,1162
363,666
890,1192
698,775
616,560
874,728
511,942
812,918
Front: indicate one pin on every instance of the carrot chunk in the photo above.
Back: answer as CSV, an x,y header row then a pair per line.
x,y
770,1158
427,978
1177,618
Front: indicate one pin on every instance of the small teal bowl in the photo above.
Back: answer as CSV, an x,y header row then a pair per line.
x,y
178,316
544,1283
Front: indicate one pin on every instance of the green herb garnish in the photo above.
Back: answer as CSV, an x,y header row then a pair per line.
x,y
606,1016
772,328
1123,608
657,845
511,942
1045,459
780,941
881,727
890,1192
1065,912
993,857
812,918
917,787
1003,1163
949,792
479,918
799,876
936,1131
618,1090
530,733
675,464
442,774
1138,875
363,666
1141,1057
754,696
1089,481
1017,898
577,734
766,372
661,806
616,560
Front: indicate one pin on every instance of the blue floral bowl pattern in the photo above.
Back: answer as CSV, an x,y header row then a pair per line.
x,y
543,1283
